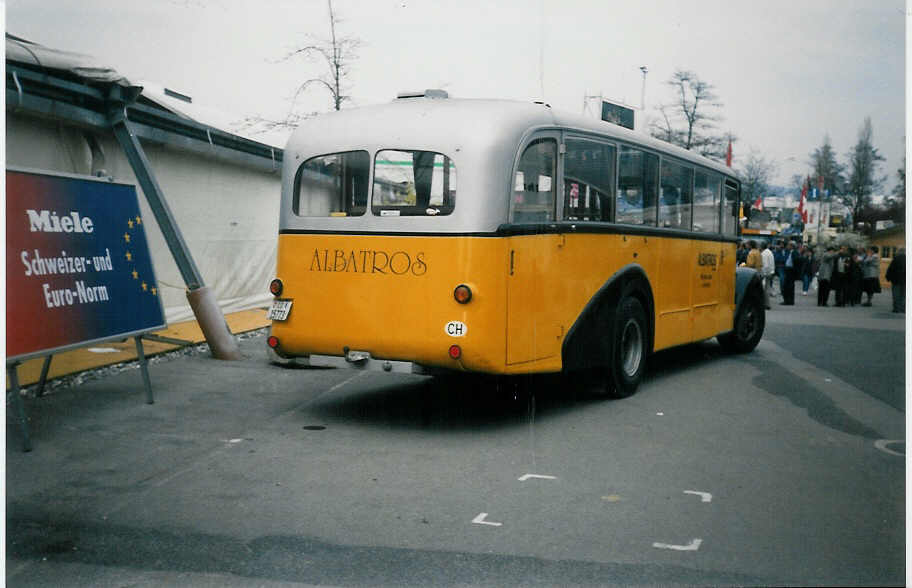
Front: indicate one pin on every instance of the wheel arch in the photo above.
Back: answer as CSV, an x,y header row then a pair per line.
x,y
585,345
747,281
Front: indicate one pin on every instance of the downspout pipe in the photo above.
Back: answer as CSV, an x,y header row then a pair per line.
x,y
202,301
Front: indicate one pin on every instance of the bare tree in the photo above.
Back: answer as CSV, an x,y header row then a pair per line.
x,y
824,165
863,180
689,120
336,53
755,176
895,203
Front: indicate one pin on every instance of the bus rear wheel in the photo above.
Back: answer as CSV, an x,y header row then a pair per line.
x,y
627,360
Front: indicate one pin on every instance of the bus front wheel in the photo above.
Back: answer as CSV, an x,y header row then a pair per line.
x,y
749,324
627,360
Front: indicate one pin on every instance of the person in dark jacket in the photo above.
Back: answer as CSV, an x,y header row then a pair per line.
x,y
806,269
842,266
741,253
853,296
896,275
790,265
779,259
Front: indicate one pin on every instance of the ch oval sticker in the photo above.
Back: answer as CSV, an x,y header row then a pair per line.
x,y
456,329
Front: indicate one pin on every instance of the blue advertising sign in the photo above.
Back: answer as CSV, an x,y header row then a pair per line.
x,y
78,268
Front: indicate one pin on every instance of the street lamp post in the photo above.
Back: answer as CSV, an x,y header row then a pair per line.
x,y
645,70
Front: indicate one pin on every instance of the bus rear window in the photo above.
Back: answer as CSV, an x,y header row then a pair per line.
x,y
332,185
413,183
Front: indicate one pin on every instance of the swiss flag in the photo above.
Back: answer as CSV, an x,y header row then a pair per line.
x,y
758,204
802,204
728,154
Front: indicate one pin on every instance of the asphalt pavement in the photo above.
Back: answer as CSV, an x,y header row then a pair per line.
x,y
839,339
245,473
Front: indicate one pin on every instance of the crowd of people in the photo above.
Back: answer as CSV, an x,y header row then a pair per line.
x,y
852,275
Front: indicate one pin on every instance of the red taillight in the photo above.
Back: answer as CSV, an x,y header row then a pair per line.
x,y
272,341
455,351
275,287
462,294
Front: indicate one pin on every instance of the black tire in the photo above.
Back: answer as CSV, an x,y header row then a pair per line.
x,y
627,349
749,324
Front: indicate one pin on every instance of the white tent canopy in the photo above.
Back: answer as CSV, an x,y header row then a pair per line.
x,y
222,189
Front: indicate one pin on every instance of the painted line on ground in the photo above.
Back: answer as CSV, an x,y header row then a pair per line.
x,y
704,496
692,546
525,477
480,520
882,445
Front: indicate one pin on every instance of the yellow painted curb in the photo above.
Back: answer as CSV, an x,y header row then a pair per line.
x,y
102,354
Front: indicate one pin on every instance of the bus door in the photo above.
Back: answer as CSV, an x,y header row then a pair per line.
x,y
675,294
708,259
706,262
533,306
727,261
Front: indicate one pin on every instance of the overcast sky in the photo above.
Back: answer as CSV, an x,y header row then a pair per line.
x,y
787,71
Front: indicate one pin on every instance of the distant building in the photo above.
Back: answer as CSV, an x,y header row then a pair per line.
x,y
825,220
888,240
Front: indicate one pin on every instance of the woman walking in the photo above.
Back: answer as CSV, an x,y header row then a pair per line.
x,y
825,275
806,269
870,274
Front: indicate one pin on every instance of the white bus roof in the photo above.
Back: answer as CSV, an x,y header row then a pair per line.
x,y
480,136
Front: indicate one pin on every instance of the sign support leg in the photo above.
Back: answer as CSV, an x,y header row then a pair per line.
x,y
144,368
20,408
44,374
221,342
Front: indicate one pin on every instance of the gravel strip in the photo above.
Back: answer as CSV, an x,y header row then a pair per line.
x,y
79,378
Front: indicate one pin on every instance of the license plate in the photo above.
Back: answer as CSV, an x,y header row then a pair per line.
x,y
279,310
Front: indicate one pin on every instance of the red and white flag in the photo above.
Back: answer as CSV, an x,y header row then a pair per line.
x,y
758,204
728,154
802,204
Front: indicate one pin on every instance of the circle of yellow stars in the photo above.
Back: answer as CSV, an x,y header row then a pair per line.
x,y
131,223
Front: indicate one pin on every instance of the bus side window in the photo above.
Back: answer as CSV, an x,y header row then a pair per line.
x,y
706,202
674,206
534,184
588,180
730,212
637,187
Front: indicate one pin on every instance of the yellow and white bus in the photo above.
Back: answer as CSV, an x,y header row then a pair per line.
x,y
501,237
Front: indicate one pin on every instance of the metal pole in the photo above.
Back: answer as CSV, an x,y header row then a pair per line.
x,y
645,70
154,195
208,314
44,373
20,408
144,368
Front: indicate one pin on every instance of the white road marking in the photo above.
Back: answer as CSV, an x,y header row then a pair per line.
x,y
692,546
704,496
882,445
525,477
103,350
480,520
340,384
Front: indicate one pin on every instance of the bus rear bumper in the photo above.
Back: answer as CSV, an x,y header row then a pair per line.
x,y
364,362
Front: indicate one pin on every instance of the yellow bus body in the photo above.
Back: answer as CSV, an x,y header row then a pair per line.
x,y
392,296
